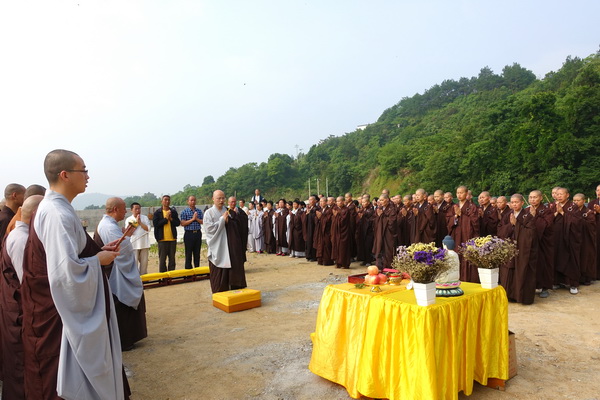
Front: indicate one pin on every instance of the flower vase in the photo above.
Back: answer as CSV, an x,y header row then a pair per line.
x,y
424,293
488,277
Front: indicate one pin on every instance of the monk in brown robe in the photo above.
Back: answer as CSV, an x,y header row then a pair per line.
x,y
505,228
521,282
270,244
385,233
324,232
297,243
281,228
407,222
424,219
594,205
462,221
587,255
348,200
341,234
567,273
440,208
308,227
488,216
14,195
365,234
544,225
11,313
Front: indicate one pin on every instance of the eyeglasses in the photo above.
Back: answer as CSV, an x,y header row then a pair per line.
x,y
85,171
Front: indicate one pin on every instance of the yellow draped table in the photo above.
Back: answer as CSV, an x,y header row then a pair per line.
x,y
383,345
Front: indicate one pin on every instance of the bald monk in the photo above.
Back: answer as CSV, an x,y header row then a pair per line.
x,y
281,231
586,220
324,249
505,228
521,280
70,331
30,191
440,208
544,224
365,231
14,195
11,313
342,234
225,235
424,219
385,233
463,224
566,274
124,277
488,216
406,226
594,205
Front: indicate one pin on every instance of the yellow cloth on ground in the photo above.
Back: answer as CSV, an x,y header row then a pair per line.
x,y
386,346
201,270
154,276
337,341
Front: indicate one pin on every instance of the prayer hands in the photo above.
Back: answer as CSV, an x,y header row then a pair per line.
x,y
513,219
532,211
457,210
319,213
480,212
415,211
597,208
403,211
559,209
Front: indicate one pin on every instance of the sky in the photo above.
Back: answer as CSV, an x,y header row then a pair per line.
x,y
155,95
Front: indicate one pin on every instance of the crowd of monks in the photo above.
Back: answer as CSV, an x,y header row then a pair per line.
x,y
556,239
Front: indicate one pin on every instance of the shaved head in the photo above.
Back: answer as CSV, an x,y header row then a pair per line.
x,y
57,161
29,206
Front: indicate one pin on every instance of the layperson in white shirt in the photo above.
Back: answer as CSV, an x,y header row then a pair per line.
x,y
140,239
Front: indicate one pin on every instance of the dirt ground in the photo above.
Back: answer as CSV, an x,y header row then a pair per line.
x,y
196,351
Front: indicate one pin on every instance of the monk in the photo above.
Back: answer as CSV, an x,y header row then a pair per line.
x,y
308,227
281,231
488,216
341,234
296,242
424,219
521,280
384,247
268,230
545,234
440,208
70,330
462,221
365,236
406,224
226,232
505,228
30,191
353,211
11,313
594,205
14,195
567,273
124,277
586,220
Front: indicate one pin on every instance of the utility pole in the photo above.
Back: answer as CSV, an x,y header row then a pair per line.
x,y
308,188
327,186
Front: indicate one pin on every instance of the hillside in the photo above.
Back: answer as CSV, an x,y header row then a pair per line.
x,y
507,133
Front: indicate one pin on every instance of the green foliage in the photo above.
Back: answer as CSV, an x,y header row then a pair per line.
x,y
146,200
505,133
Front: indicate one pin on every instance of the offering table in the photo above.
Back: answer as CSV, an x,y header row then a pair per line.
x,y
383,345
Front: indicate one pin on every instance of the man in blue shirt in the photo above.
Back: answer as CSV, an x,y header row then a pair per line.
x,y
191,220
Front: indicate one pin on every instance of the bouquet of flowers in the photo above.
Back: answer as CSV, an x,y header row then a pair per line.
x,y
489,251
423,262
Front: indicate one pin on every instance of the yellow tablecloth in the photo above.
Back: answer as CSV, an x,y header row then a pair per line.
x,y
385,346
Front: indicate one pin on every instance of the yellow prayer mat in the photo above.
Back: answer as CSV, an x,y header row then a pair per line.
x,y
237,300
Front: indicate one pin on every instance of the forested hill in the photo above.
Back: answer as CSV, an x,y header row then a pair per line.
x,y
506,133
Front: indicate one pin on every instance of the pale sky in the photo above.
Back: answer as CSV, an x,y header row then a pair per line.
x,y
155,95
